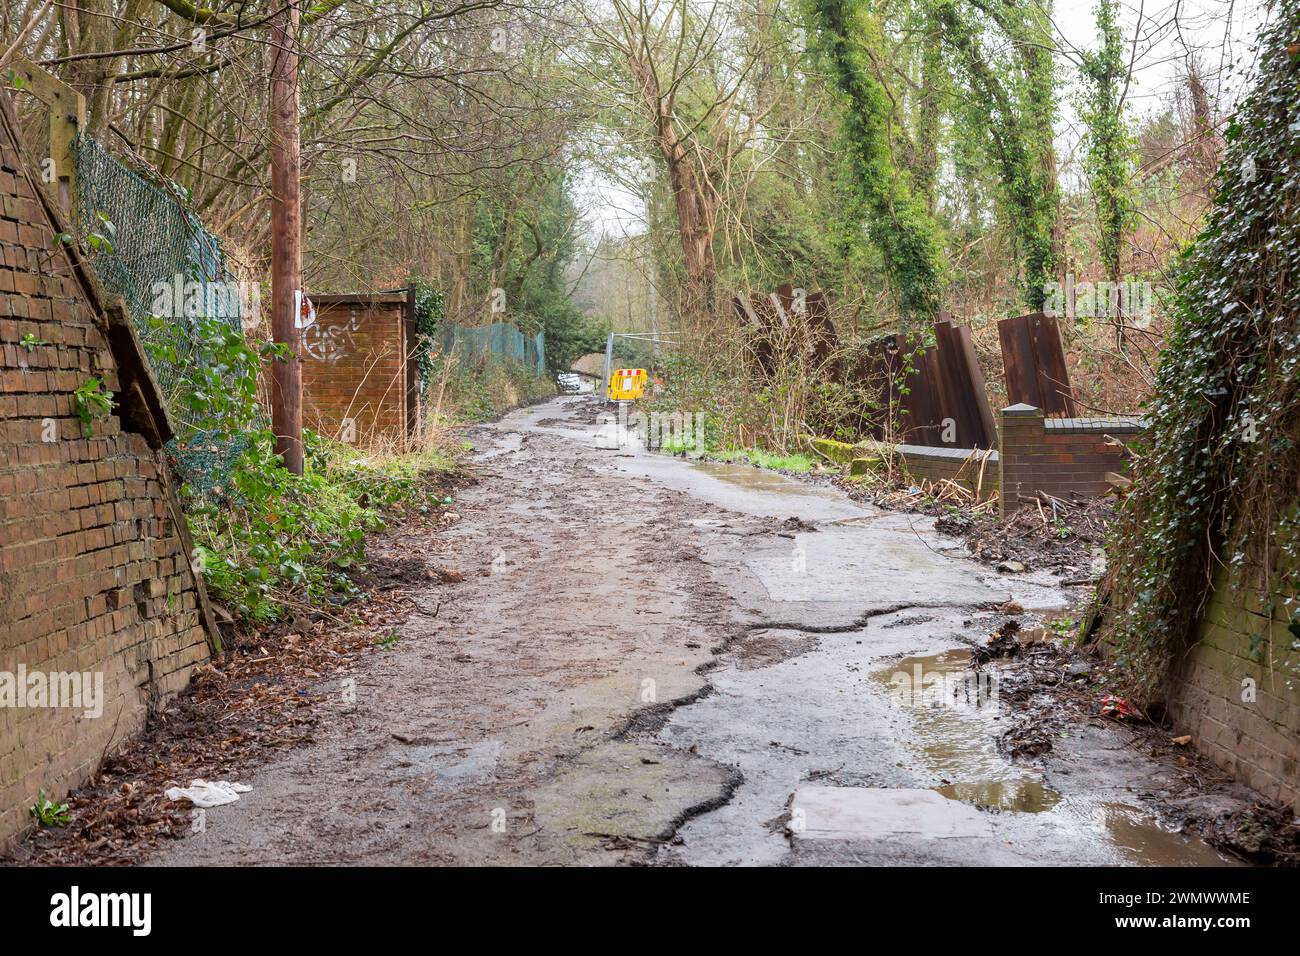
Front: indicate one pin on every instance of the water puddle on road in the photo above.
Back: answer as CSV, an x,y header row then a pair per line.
x,y
1022,796
751,478
956,721
1142,840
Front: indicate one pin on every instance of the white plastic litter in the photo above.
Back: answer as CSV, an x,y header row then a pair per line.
x,y
201,793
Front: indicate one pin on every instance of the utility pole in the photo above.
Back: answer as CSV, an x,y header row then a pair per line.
x,y
286,236
609,361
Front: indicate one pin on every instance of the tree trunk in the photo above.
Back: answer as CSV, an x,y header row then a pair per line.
x,y
695,199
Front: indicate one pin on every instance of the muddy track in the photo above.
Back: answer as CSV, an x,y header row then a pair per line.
x,y
507,722
638,662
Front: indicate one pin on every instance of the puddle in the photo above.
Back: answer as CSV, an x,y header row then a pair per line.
x,y
824,716
1142,840
1022,796
752,479
956,719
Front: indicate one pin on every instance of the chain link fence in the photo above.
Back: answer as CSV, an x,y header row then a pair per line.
x,y
500,339
148,248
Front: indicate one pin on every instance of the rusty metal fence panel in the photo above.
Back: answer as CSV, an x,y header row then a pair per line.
x,y
1034,360
942,396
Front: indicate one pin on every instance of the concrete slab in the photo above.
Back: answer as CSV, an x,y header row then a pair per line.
x,y
864,564
875,813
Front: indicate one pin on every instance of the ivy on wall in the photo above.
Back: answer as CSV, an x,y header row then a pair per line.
x,y
430,308
1220,483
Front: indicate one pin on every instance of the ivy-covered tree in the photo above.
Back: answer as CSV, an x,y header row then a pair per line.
x,y
1015,102
1108,156
898,219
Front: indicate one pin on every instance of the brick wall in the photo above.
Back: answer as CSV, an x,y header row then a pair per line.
x,y
93,570
1237,692
356,379
1059,456
969,467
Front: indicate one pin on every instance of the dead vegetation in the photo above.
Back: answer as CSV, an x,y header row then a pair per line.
x,y
1065,537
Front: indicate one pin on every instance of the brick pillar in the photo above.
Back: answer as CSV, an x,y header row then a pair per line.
x,y
1021,456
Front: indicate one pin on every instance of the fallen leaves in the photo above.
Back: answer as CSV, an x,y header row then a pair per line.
x,y
264,695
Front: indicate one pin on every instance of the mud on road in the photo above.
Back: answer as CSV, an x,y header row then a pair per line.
x,y
631,658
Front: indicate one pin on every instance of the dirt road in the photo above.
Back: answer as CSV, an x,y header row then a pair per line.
x,y
654,660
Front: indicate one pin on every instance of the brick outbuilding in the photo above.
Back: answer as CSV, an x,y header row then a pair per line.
x,y
359,381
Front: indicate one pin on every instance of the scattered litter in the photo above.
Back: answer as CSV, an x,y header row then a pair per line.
x,y
1118,707
201,793
1183,741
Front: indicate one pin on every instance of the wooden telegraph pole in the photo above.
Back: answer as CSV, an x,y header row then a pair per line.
x,y
286,236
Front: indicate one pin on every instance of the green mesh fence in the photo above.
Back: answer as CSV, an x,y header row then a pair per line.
x,y
146,247
500,339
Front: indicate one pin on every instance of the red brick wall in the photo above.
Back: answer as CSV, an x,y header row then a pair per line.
x,y
355,368
93,570
1236,691
1035,456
